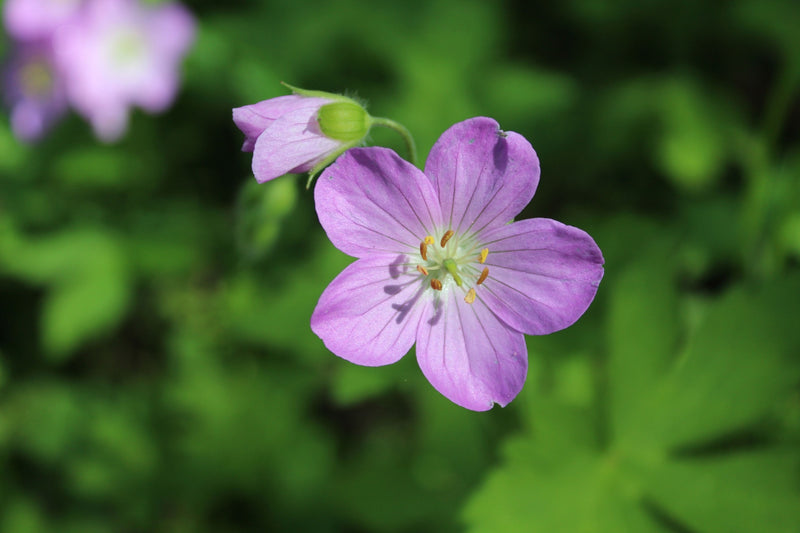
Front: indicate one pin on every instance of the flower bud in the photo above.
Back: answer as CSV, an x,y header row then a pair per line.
x,y
301,132
344,121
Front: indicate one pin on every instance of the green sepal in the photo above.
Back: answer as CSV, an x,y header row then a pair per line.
x,y
327,161
319,94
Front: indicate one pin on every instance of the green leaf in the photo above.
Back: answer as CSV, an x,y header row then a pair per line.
x,y
546,489
99,167
88,280
92,299
734,369
23,516
517,91
643,336
44,419
692,148
278,313
734,493
354,383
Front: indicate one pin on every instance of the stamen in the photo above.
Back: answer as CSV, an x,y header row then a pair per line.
x,y
429,240
436,284
423,250
452,268
483,276
482,257
446,237
470,297
424,271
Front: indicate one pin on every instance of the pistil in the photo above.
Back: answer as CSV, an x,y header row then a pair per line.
x,y
452,268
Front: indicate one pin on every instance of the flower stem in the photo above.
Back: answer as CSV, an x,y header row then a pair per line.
x,y
762,201
402,130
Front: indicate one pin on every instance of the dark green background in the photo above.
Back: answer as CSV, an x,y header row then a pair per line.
x,y
158,373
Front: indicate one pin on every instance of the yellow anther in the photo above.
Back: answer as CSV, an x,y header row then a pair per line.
x,y
483,276
470,297
429,240
482,257
436,284
422,270
423,250
446,237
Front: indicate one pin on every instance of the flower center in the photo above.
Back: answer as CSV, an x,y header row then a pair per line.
x,y
36,78
128,50
453,260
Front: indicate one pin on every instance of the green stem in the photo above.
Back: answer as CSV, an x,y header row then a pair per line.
x,y
402,130
759,153
778,104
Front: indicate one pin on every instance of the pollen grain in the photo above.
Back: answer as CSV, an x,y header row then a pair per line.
x,y
482,257
422,270
470,297
483,276
436,284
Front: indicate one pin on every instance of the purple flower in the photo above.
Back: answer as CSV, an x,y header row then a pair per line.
x,y
33,90
439,264
119,54
36,19
300,132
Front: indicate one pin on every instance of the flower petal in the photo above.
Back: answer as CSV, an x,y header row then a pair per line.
x,y
483,176
370,312
254,119
542,274
370,200
292,143
469,355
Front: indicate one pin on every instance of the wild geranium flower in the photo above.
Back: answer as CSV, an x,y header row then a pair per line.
x,y
123,53
300,132
33,90
440,265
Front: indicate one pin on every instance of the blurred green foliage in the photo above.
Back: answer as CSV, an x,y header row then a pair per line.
x,y
157,371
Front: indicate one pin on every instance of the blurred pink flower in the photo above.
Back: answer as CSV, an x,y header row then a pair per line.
x,y
36,19
122,53
33,90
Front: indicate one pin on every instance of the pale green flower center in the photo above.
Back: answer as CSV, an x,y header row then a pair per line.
x,y
129,49
453,261
36,78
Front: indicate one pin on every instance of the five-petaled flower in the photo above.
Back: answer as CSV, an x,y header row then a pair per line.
x,y
440,265
300,132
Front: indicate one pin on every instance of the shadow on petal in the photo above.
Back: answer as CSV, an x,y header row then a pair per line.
x,y
437,312
397,267
500,152
404,308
